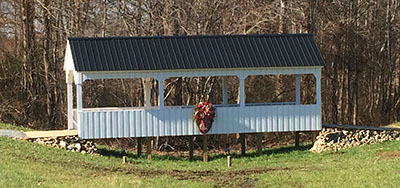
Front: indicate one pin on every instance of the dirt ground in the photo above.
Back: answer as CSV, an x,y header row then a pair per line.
x,y
217,144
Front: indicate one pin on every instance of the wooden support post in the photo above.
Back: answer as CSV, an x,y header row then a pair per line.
x,y
296,139
229,161
243,143
259,143
191,147
149,147
205,149
139,146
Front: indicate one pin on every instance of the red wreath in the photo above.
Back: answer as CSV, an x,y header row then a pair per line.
x,y
204,114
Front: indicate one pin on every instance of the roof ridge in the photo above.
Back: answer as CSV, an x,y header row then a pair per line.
x,y
192,36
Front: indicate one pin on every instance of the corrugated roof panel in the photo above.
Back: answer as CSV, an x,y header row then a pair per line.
x,y
301,51
178,54
293,50
308,54
266,57
194,52
290,61
114,55
269,47
315,49
125,50
121,55
154,47
224,49
96,55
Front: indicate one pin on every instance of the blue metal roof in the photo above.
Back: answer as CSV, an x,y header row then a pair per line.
x,y
194,52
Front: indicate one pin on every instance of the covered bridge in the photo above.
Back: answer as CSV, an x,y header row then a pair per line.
x,y
162,57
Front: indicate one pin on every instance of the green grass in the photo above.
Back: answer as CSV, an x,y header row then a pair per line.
x,y
13,127
25,164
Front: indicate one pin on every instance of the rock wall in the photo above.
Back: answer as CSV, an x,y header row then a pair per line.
x,y
336,139
70,143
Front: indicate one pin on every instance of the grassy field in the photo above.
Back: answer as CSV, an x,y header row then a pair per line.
x,y
13,127
25,164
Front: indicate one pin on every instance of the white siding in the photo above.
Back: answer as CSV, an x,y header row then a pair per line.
x,y
120,123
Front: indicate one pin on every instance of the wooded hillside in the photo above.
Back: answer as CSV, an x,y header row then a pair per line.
x,y
359,40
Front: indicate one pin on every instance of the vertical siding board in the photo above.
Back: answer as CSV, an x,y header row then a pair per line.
x,y
179,119
252,120
149,124
120,123
114,124
238,126
281,120
275,121
287,126
132,124
264,123
125,120
190,127
161,123
171,125
303,122
144,123
84,125
296,119
96,125
155,124
91,123
101,126
186,116
108,124
269,122
216,124
293,118
165,122
172,122
86,122
138,124
258,123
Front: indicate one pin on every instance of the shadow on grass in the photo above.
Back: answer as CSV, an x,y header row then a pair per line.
x,y
107,152
281,150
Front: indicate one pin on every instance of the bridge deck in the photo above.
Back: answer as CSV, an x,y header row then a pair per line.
x,y
55,133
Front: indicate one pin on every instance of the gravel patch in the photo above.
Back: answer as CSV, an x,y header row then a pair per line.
x,y
12,134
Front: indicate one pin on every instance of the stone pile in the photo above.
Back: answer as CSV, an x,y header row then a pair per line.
x,y
336,139
70,143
